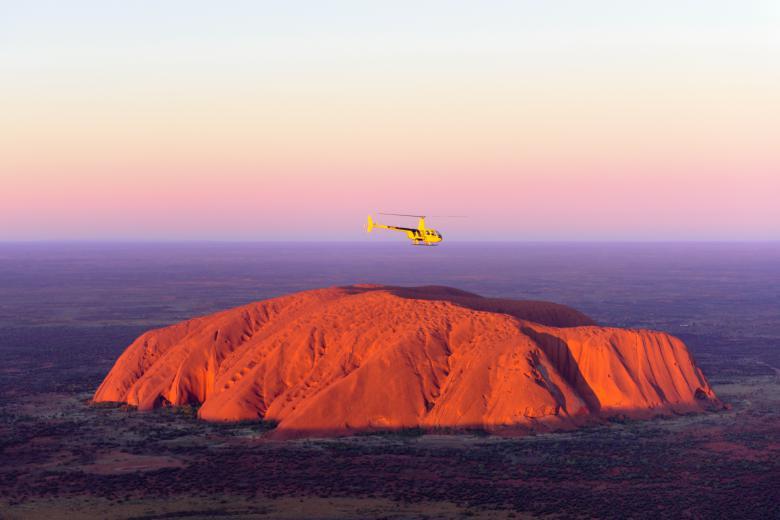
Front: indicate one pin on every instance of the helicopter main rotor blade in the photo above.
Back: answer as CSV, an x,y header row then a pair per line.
x,y
402,215
423,216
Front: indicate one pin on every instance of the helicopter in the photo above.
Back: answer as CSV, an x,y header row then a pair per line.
x,y
420,236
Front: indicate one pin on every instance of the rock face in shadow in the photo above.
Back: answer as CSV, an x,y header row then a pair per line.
x,y
361,358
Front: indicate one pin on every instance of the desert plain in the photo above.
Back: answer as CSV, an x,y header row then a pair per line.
x,y
68,311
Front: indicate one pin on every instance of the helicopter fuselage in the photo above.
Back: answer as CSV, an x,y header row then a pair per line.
x,y
420,236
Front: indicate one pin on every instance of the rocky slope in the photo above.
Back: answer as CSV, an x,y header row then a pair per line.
x,y
341,360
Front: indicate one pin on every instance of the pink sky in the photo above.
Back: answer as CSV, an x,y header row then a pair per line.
x,y
589,128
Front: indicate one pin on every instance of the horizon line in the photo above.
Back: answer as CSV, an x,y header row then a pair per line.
x,y
163,241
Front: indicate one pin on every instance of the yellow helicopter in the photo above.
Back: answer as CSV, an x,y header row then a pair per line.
x,y
421,236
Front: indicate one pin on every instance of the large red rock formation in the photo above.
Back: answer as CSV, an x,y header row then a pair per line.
x,y
340,360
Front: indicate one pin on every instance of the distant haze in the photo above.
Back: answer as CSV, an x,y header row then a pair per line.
x,y
292,120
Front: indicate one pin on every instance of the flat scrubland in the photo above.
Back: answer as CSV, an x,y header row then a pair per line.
x,y
65,316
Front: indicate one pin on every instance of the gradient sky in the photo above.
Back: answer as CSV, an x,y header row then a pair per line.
x,y
561,120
